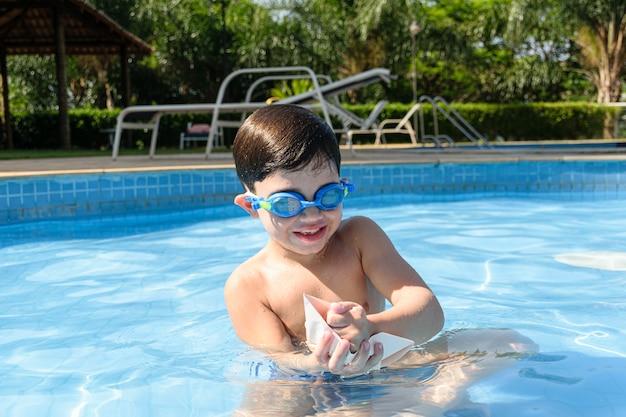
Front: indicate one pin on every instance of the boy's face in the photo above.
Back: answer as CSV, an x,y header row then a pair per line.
x,y
306,233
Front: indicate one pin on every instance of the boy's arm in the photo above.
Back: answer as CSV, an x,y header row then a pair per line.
x,y
257,325
416,313
253,320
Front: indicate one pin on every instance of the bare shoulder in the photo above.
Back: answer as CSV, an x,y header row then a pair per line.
x,y
253,318
369,239
245,282
358,223
361,226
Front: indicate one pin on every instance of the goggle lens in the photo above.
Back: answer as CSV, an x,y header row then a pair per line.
x,y
332,198
285,205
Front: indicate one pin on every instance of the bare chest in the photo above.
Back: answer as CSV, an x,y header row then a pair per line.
x,y
345,282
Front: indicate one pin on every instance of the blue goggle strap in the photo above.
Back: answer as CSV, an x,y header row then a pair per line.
x,y
347,187
258,202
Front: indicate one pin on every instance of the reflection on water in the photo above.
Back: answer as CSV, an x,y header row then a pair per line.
x,y
561,384
430,380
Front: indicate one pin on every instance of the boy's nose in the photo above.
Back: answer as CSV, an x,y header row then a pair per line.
x,y
312,212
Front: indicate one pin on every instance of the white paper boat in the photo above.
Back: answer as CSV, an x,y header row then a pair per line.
x,y
394,347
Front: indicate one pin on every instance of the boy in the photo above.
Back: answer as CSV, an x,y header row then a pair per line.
x,y
288,160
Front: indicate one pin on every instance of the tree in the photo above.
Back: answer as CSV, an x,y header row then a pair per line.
x,y
186,64
467,50
463,50
32,80
601,38
597,27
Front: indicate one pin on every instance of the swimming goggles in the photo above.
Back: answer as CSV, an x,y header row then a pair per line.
x,y
289,203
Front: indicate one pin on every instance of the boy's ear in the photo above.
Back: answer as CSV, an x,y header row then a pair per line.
x,y
240,200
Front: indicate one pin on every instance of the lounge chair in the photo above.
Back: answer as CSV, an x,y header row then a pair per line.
x,y
349,119
404,127
318,97
400,126
199,133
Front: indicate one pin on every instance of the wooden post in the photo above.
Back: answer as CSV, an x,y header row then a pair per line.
x,y
125,76
7,130
61,72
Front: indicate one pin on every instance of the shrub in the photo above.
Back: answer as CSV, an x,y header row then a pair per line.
x,y
514,122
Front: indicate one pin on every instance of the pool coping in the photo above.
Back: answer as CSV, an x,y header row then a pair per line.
x,y
67,187
385,154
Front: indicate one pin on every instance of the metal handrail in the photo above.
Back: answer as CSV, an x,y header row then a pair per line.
x,y
453,117
261,80
479,138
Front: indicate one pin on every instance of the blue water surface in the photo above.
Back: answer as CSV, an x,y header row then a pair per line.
x,y
124,315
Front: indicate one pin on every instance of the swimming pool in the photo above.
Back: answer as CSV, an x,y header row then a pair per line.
x,y
123,314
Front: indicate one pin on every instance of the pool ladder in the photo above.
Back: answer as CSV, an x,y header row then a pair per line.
x,y
440,105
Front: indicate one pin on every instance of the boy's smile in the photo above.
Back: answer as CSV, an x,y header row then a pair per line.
x,y
311,235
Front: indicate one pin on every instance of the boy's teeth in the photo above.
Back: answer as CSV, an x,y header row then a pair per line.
x,y
309,232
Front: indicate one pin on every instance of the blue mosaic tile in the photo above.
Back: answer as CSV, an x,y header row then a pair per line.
x,y
41,187
108,194
14,187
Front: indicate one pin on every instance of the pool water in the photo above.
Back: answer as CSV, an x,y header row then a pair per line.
x,y
124,316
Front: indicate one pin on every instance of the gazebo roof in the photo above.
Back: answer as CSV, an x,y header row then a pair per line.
x,y
28,27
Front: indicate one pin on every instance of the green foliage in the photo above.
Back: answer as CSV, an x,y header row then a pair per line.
x,y
40,130
589,33
537,121
32,83
286,89
512,122
495,51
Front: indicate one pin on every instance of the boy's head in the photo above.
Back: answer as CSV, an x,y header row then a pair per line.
x,y
283,137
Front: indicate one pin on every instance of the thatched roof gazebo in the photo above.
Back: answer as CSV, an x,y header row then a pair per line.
x,y
61,27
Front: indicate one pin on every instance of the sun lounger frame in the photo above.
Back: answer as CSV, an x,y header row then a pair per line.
x,y
147,117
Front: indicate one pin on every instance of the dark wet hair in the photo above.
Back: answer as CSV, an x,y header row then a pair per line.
x,y
283,137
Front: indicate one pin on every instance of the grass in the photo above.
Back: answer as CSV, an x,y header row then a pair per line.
x,y
6,154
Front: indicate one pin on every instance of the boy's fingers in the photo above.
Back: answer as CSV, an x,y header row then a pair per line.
x,y
374,360
337,360
363,362
322,349
340,307
337,320
362,356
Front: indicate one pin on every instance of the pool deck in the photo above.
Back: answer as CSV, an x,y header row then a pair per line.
x,y
385,154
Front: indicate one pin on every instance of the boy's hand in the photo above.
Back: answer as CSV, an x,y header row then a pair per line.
x,y
350,322
336,362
